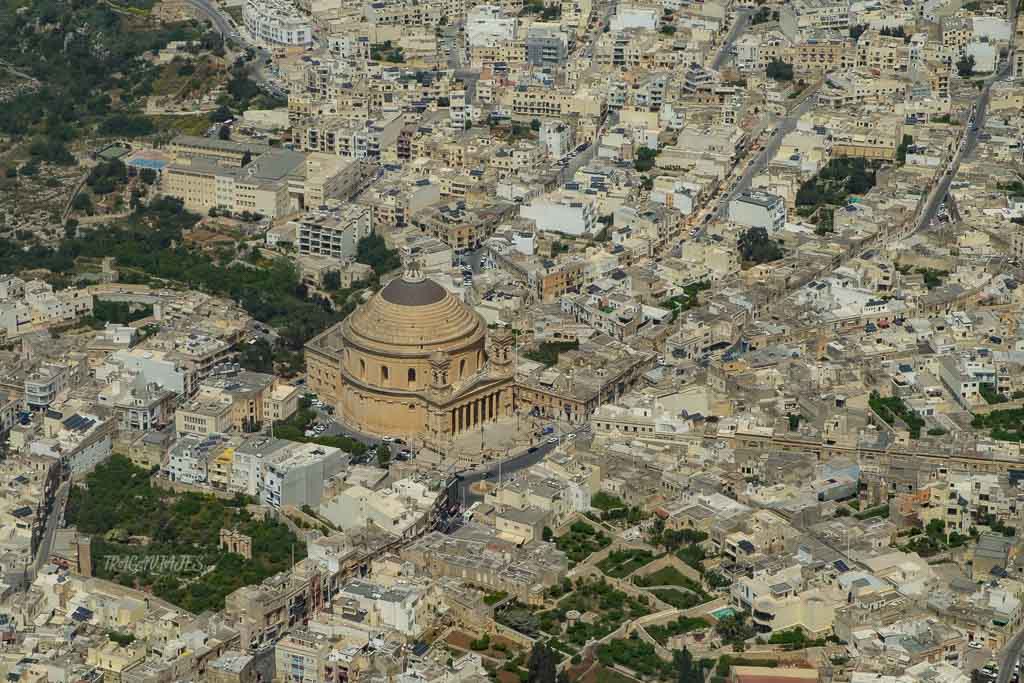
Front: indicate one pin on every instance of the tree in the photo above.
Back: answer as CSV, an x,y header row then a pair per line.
x,y
220,114
755,246
735,629
965,66
901,151
332,281
82,203
542,665
246,158
148,176
687,671
779,71
645,159
224,132
372,251
126,125
535,125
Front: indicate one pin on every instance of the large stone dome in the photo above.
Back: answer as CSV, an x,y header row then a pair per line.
x,y
413,362
413,317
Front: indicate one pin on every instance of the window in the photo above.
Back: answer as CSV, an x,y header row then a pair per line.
x,y
384,373
362,368
412,375
462,368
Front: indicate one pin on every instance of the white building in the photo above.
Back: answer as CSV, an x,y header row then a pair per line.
x,y
188,460
986,55
674,193
405,509
565,212
29,305
488,26
433,255
296,475
276,22
79,442
556,138
335,233
627,17
395,607
758,210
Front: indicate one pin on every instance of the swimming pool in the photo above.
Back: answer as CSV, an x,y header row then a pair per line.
x,y
723,612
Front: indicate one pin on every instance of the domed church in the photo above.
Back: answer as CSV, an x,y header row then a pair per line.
x,y
414,361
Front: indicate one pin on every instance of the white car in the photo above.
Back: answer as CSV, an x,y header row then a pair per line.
x,y
553,439
388,439
974,645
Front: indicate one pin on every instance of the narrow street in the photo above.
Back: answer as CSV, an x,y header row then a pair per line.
x,y
53,522
737,30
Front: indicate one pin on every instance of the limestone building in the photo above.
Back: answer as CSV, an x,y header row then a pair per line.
x,y
414,361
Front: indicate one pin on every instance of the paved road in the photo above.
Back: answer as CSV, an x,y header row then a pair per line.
x,y
1011,652
1008,656
742,22
783,126
965,149
53,521
220,22
508,467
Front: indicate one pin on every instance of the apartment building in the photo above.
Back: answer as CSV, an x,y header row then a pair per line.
x,y
395,607
535,102
674,193
566,212
328,177
821,55
333,234
79,441
393,202
231,402
295,475
802,17
547,45
403,13
885,54
366,140
178,362
871,136
758,210
460,227
276,22
35,304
